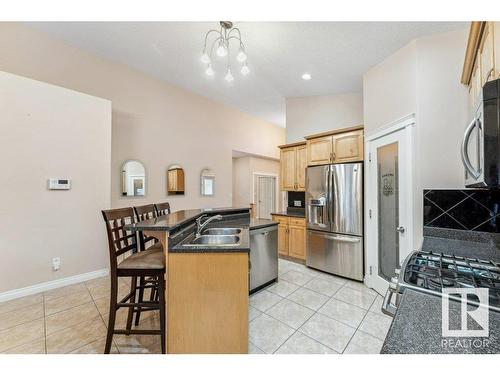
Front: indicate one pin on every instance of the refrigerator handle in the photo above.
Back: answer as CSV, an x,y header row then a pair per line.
x,y
329,195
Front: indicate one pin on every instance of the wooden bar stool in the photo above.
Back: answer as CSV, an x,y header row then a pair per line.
x,y
138,264
148,243
162,208
146,212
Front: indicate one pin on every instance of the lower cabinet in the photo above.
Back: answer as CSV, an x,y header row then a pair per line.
x,y
291,236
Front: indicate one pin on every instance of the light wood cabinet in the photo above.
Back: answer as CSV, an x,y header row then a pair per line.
x,y
301,154
482,60
287,166
348,147
291,236
293,163
496,48
339,146
487,62
320,151
175,180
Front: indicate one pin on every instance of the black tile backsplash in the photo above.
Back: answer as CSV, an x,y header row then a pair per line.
x,y
470,209
296,196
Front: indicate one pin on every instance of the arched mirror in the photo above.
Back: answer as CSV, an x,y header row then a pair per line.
x,y
175,180
133,179
207,180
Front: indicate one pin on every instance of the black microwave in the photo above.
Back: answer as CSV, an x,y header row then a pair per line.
x,y
481,142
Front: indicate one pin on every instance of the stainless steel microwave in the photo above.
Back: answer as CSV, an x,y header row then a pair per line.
x,y
481,141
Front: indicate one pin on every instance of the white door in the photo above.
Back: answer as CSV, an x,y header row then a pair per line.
x,y
389,202
266,196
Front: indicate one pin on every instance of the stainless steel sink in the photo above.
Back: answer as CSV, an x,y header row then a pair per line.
x,y
214,240
223,231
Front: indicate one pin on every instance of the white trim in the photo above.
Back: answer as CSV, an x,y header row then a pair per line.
x,y
42,287
406,125
391,127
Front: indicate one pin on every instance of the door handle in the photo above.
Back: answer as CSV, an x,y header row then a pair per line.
x,y
400,229
465,156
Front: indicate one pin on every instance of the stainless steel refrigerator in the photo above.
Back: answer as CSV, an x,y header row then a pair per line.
x,y
334,215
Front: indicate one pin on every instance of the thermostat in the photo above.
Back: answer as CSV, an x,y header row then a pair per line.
x,y
59,184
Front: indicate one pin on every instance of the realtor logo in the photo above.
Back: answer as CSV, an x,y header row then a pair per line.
x,y
476,316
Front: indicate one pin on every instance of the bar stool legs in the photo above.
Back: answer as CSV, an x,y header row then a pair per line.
x,y
112,314
161,292
133,292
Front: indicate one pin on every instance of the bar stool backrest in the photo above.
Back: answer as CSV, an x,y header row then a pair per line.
x,y
145,212
162,208
120,241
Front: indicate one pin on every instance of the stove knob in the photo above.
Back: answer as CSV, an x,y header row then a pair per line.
x,y
397,271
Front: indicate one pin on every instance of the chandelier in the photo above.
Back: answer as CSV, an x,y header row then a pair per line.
x,y
221,44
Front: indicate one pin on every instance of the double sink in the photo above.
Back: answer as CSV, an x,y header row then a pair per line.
x,y
223,237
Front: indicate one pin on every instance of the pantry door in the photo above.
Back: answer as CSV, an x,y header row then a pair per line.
x,y
389,202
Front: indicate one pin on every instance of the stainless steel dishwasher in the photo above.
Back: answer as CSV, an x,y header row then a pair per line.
x,y
263,257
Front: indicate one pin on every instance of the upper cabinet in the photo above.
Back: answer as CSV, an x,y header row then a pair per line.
x,y
320,150
482,59
301,157
339,146
293,162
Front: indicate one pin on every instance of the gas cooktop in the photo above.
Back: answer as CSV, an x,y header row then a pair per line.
x,y
434,271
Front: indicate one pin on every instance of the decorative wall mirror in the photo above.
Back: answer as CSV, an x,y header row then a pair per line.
x,y
175,180
207,181
133,179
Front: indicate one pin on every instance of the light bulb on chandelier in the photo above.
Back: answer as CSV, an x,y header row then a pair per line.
x,y
245,70
229,76
221,50
205,59
209,71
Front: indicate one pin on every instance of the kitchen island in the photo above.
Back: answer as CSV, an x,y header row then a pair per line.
x,y
207,285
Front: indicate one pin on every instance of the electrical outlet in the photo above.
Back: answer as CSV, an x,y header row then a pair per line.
x,y
56,263
297,203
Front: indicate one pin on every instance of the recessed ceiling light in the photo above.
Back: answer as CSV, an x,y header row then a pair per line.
x,y
306,76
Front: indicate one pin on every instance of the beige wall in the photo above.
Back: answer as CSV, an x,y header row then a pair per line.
x,y
153,121
51,132
389,89
424,78
317,114
244,169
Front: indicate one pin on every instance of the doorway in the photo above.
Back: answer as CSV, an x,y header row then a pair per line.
x,y
265,195
389,201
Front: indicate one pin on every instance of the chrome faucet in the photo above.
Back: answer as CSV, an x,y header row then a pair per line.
x,y
200,225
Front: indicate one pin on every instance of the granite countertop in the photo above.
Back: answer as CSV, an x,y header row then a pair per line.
x,y
176,219
246,224
291,212
468,244
242,247
416,329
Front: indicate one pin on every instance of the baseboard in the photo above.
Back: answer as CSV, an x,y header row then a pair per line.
x,y
42,287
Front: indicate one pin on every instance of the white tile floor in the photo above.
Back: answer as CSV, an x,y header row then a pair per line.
x,y
309,311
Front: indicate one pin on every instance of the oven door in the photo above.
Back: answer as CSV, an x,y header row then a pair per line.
x,y
473,151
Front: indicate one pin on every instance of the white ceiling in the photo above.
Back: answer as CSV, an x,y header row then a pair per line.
x,y
335,53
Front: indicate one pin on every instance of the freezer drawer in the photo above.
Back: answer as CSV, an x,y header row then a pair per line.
x,y
263,256
335,253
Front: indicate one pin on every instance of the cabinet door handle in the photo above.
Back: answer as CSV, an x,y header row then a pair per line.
x,y
331,156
